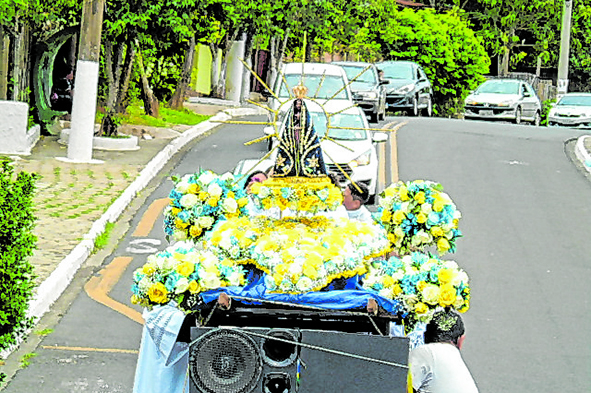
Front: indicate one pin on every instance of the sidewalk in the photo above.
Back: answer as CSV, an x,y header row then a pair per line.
x,y
75,202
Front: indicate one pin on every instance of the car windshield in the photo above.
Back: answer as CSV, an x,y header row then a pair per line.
x,y
499,87
397,70
319,86
575,100
367,77
340,120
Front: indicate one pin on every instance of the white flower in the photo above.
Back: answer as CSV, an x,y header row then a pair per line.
x,y
304,284
179,235
181,285
385,292
189,200
295,269
386,202
206,177
230,205
264,192
235,279
227,177
459,278
205,221
210,280
182,186
215,190
426,208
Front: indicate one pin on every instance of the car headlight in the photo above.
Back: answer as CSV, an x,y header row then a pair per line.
x,y
363,159
506,103
471,102
404,89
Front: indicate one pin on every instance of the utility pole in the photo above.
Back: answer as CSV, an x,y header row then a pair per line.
x,y
562,85
86,82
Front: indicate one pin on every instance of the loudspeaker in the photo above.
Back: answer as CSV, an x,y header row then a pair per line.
x,y
351,362
243,360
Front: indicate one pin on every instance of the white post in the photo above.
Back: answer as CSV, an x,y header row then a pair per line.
x,y
235,71
562,85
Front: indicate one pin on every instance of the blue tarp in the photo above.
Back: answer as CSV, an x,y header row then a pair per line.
x,y
349,298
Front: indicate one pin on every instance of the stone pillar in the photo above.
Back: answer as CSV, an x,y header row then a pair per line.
x,y
234,73
15,137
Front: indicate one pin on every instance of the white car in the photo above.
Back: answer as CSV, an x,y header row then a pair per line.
x,y
325,83
504,99
572,110
349,150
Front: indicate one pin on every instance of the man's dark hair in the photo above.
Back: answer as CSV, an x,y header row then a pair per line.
x,y
359,192
446,326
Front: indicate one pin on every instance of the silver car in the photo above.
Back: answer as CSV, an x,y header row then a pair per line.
x,y
504,99
572,110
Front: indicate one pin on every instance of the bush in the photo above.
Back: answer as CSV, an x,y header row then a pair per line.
x,y
17,243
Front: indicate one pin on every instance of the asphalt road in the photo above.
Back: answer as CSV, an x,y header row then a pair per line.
x,y
526,218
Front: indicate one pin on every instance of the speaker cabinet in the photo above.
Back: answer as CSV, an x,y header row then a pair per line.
x,y
347,368
243,360
267,360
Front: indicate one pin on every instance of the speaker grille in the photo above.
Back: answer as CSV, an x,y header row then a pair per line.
x,y
225,361
278,353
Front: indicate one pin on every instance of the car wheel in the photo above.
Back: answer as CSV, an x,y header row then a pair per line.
x,y
428,111
414,110
537,119
518,115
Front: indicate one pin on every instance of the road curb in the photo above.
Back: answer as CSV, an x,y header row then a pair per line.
x,y
582,153
53,287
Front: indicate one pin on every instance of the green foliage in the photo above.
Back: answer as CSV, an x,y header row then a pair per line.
x,y
136,115
103,239
454,59
17,243
546,106
25,359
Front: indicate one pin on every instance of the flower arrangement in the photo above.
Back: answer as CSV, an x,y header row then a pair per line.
x,y
180,273
422,283
303,255
298,194
417,214
198,201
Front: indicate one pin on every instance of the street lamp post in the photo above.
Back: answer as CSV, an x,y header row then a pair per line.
x,y
562,85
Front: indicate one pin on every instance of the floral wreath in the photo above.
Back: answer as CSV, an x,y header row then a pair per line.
x,y
422,283
418,214
198,201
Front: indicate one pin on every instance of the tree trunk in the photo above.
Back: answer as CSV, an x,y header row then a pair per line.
x,y
308,54
21,64
504,71
215,61
246,75
121,104
151,105
272,61
4,58
178,98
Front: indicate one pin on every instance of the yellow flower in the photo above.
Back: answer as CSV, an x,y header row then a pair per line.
x,y
387,281
403,193
213,202
203,195
421,308
421,218
231,194
436,231
421,285
158,293
242,202
399,216
194,287
135,299
180,224
195,231
175,211
447,295
420,197
443,245
396,289
193,188
445,276
185,269
148,269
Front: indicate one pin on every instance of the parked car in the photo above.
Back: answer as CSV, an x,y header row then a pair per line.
x,y
369,91
324,82
352,149
572,110
409,89
504,99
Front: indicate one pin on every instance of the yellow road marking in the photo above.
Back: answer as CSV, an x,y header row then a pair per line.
x,y
149,218
99,287
88,349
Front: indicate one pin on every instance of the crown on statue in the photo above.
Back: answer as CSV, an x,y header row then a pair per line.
x,y
300,91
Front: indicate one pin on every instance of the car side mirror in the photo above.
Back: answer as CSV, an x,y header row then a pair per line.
x,y
378,137
526,94
266,93
384,82
269,130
